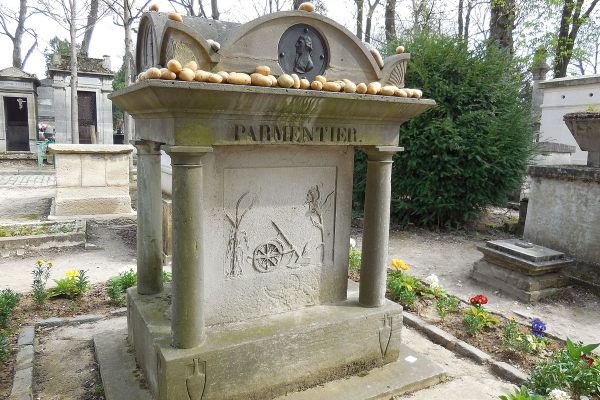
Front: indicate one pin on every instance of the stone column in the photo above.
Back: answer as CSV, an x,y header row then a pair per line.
x,y
149,218
373,269
187,320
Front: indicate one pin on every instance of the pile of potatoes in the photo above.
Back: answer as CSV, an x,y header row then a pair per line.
x,y
262,77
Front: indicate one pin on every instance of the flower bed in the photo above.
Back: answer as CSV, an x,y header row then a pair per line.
x,y
33,236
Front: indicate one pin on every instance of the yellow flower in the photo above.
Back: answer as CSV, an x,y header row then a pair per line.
x,y
409,288
399,264
72,273
49,263
40,262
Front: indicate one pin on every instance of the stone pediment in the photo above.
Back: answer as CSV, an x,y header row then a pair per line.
x,y
16,73
272,40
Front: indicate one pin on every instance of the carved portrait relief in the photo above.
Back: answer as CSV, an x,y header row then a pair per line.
x,y
303,51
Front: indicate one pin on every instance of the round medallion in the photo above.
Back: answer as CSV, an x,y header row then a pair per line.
x,y
303,51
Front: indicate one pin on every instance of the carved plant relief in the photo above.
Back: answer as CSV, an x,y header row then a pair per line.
x,y
316,209
238,239
196,382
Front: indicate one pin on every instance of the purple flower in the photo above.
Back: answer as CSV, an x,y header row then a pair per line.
x,y
538,328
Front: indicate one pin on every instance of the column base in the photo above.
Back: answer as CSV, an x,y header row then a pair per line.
x,y
266,357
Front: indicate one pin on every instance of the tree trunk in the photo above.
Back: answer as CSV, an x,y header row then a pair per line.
x,y
370,13
359,18
215,9
89,29
502,24
390,20
18,38
74,102
296,4
460,17
467,21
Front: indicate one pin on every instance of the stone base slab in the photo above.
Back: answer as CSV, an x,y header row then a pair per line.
x,y
91,201
527,267
410,373
526,288
266,357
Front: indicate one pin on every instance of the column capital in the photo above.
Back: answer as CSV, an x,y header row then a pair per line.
x,y
145,147
187,155
381,153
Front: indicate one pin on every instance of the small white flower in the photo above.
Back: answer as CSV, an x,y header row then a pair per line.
x,y
557,394
352,243
433,281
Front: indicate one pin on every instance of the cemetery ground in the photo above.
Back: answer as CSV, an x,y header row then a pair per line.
x,y
64,363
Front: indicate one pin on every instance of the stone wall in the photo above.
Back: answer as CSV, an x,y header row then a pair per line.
x,y
562,96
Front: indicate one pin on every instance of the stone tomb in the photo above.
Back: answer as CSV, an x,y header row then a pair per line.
x,y
261,207
522,269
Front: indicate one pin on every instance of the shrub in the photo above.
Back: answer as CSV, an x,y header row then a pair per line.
x,y
469,151
521,394
574,369
118,285
354,259
74,285
41,273
403,288
446,305
8,301
477,318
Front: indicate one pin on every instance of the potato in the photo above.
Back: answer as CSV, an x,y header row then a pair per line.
x,y
225,76
316,85
259,79
307,6
186,74
153,73
175,17
153,7
388,90
373,88
409,92
400,93
202,76
332,87
320,78
141,76
350,87
274,82
238,78
341,83
174,66
377,56
215,78
285,81
400,49
167,75
361,88
296,79
263,70
193,65
304,83
418,94
216,46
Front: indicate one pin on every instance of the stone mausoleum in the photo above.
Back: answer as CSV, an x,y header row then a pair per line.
x,y
259,305
18,110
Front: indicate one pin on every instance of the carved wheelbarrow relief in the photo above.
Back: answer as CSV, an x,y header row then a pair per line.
x,y
278,251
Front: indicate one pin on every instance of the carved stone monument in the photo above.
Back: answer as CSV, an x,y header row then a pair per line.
x,y
261,206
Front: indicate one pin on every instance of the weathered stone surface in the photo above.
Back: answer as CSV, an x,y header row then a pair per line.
x,y
413,320
90,149
563,214
440,336
24,357
522,265
265,357
526,250
507,281
26,335
509,372
464,348
22,381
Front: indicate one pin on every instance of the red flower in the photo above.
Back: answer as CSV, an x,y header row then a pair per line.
x,y
478,300
588,359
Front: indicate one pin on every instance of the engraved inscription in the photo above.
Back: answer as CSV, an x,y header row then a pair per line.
x,y
196,382
275,133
